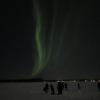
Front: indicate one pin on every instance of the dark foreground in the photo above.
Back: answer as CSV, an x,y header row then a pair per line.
x,y
33,91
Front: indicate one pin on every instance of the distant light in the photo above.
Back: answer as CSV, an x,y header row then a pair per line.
x,y
94,81
74,81
62,81
98,80
85,80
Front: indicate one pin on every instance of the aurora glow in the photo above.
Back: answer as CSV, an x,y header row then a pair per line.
x,y
47,53
50,39
40,53
62,38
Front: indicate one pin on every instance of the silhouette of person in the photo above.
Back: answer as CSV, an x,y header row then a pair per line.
x,y
46,88
66,86
60,87
99,86
52,89
78,85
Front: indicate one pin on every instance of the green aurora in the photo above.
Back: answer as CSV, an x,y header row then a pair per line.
x,y
47,53
39,58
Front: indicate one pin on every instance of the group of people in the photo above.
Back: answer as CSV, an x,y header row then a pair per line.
x,y
60,88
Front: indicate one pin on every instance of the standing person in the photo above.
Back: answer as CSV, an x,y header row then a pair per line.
x,y
46,88
52,89
62,83
60,88
99,85
66,86
78,85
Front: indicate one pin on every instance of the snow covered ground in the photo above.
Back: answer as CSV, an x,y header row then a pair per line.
x,y
33,91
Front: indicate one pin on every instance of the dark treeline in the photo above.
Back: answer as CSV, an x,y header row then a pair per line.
x,y
22,80
42,80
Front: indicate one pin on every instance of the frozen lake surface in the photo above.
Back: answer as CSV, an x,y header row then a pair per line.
x,y
33,91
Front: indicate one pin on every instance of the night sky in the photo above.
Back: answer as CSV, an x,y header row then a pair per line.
x,y
52,39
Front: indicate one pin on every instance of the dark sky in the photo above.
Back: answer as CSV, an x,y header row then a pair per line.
x,y
76,26
16,38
